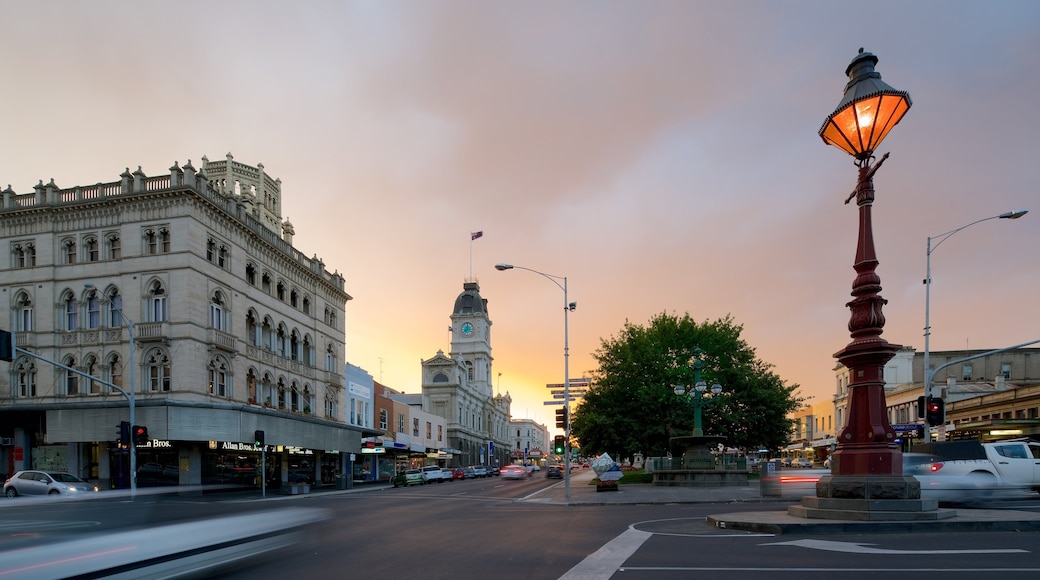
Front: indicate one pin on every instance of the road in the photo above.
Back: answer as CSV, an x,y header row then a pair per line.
x,y
493,528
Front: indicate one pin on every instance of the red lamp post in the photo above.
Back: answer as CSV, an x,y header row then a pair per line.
x,y
866,445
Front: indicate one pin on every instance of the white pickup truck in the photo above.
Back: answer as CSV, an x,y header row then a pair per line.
x,y
433,473
1011,463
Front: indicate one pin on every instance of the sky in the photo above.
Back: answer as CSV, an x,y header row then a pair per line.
x,y
662,156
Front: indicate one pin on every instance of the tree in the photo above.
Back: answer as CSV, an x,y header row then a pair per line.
x,y
632,406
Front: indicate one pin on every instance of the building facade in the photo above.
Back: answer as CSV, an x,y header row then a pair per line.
x,y
457,387
530,441
184,294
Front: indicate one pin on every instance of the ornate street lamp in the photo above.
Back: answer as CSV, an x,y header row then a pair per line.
x,y
696,392
867,461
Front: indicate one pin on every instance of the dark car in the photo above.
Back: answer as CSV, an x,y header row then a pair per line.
x,y
493,470
32,482
554,471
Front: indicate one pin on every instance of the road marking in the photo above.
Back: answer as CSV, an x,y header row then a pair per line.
x,y
859,548
604,562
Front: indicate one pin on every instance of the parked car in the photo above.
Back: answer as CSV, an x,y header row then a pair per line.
x,y
470,473
801,462
554,471
513,472
480,471
408,477
494,470
458,473
433,473
32,482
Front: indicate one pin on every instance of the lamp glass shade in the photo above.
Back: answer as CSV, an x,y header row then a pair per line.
x,y
860,127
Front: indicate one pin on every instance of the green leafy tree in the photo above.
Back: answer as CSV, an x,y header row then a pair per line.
x,y
632,406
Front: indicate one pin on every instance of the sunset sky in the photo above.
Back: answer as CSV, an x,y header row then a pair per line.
x,y
663,156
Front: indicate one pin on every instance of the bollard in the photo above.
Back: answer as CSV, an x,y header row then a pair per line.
x,y
770,479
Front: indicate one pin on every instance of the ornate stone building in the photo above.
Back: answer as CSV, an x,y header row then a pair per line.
x,y
186,290
458,387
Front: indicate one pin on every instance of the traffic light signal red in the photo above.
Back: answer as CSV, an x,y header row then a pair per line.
x,y
935,411
139,433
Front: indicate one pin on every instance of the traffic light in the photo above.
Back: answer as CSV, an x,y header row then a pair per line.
x,y
6,346
559,444
936,411
139,433
258,438
561,418
124,432
921,406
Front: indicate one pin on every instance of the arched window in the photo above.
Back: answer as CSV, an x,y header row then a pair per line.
x,y
252,329
294,397
93,310
269,335
295,352
90,366
469,370
294,298
222,257
69,378
330,359
211,248
281,393
251,384
71,312
282,345
332,404
23,312
281,292
306,305
265,283
113,248
164,240
266,390
219,377
92,248
69,246
217,312
115,309
250,274
158,369
308,350
158,302
25,369
114,373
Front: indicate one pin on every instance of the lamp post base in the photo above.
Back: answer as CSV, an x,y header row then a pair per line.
x,y
891,498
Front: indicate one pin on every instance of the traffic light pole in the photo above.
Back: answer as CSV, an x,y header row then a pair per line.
x,y
129,397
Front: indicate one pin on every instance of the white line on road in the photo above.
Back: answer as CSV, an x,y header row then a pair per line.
x,y
858,548
604,562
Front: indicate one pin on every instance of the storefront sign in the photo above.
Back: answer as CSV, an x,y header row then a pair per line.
x,y
370,450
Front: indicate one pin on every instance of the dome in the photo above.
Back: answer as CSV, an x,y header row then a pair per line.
x,y
469,301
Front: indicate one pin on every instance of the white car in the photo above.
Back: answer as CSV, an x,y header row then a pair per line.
x,y
801,462
432,473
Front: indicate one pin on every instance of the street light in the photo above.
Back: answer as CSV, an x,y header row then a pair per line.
x,y
928,374
866,446
129,325
568,307
696,392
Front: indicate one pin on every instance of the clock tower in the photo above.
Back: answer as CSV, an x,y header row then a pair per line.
x,y
471,337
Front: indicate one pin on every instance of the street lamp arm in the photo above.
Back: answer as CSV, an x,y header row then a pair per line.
x,y
552,278
1008,215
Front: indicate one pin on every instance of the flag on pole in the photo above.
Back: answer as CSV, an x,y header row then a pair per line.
x,y
475,235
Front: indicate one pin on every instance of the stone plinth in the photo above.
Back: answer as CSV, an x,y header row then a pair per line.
x,y
869,498
700,478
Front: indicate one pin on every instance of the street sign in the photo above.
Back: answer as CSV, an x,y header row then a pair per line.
x,y
553,402
573,397
573,382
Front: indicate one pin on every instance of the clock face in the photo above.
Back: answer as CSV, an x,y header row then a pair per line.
x,y
467,328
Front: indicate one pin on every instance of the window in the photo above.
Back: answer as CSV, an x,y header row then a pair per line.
x,y
158,371
252,329
440,432
211,247
400,422
281,345
383,418
469,370
251,275
415,426
265,283
429,430
151,242
1005,370
93,310
280,293
157,241
24,255
222,257
295,348
70,379
23,313
294,299
306,306
91,368
268,333
966,372
330,359
114,374
115,309
294,397
26,372
217,312
219,377
331,404
113,249
164,240
69,251
92,249
308,351
157,301
71,313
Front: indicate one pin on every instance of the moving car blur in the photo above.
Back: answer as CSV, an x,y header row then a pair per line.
x,y
32,482
554,471
512,472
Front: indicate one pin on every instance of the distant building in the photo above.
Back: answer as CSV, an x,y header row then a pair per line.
x,y
457,387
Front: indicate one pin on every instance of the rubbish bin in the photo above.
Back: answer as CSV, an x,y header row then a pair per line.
x,y
769,479
342,482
